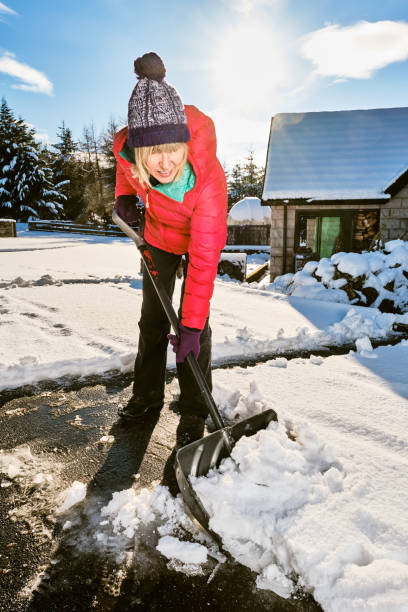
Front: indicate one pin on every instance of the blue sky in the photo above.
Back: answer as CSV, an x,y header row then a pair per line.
x,y
241,61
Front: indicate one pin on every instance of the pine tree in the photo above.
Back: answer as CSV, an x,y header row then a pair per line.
x,y
109,170
26,178
245,180
110,160
252,176
69,172
235,185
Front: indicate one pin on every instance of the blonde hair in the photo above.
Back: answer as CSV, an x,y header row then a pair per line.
x,y
142,154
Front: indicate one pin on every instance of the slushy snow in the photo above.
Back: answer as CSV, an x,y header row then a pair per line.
x,y
73,495
186,552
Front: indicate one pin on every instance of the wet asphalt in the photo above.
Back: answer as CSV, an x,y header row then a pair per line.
x,y
45,568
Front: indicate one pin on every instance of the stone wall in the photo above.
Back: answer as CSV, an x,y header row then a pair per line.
x,y
7,228
394,216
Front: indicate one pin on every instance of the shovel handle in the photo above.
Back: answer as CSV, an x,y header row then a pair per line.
x,y
171,315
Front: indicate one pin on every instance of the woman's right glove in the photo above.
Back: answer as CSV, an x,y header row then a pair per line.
x,y
128,209
189,342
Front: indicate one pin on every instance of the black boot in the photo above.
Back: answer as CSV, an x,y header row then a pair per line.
x,y
190,429
137,407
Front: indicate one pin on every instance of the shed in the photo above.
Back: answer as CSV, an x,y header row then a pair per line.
x,y
248,223
333,180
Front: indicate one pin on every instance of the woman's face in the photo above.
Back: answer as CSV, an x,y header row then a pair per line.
x,y
164,166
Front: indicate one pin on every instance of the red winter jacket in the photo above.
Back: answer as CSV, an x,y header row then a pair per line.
x,y
198,225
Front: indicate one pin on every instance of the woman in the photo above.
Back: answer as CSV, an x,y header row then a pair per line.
x,y
167,157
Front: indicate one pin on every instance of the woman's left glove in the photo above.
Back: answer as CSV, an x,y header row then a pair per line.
x,y
189,342
128,208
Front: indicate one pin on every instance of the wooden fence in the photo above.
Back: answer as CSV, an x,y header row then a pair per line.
x,y
74,228
244,236
249,234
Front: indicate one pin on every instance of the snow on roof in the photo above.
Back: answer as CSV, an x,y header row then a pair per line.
x,y
336,155
248,211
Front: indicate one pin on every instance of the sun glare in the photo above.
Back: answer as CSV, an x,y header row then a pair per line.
x,y
249,67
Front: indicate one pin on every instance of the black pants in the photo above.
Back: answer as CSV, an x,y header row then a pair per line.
x,y
150,364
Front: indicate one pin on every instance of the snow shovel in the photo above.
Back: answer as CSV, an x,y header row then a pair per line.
x,y
197,458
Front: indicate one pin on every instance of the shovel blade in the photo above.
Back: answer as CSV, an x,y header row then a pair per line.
x,y
197,458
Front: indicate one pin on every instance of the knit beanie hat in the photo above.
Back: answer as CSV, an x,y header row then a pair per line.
x,y
155,112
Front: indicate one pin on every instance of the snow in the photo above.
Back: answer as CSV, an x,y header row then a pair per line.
x,y
330,504
364,346
186,552
249,211
260,248
327,502
384,271
314,155
74,495
70,304
107,439
321,493
354,264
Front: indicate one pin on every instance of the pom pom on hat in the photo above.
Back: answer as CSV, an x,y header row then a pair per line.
x,y
151,66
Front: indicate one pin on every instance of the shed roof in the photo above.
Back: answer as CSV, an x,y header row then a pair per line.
x,y
338,155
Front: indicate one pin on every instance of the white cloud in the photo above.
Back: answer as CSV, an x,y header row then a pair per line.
x,y
6,9
246,6
356,51
31,79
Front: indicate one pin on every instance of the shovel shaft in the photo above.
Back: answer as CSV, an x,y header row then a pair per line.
x,y
173,319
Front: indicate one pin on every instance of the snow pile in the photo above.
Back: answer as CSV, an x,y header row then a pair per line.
x,y
186,552
253,501
308,505
129,510
249,211
73,495
356,323
236,405
47,279
327,502
153,512
321,500
375,278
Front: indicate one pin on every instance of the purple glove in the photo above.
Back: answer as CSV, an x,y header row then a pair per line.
x,y
189,342
127,208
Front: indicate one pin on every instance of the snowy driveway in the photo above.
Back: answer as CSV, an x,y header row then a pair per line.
x,y
70,306
333,500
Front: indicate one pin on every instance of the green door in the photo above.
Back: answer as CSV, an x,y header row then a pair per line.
x,y
326,232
